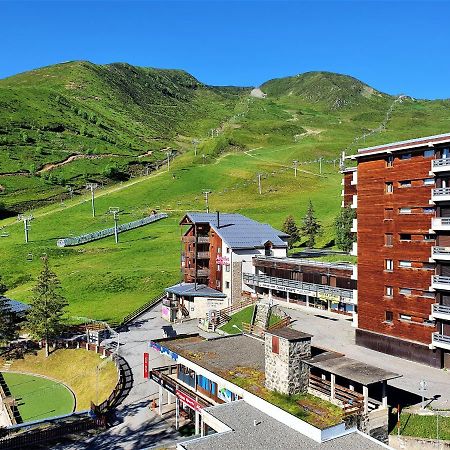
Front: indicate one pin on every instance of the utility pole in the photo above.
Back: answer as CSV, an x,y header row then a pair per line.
x,y
206,193
195,142
115,212
259,184
168,160
70,189
320,165
295,167
26,224
92,187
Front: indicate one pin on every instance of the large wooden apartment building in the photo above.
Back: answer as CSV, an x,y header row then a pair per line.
x,y
401,192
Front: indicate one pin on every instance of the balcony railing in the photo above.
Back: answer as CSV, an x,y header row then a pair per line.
x,y
444,162
441,309
441,192
441,282
441,222
202,255
200,272
282,284
441,340
200,239
441,252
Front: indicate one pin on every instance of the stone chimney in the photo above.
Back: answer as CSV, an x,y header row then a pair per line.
x,y
285,350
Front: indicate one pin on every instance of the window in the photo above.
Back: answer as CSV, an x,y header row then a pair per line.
x,y
219,250
404,183
389,291
428,153
227,284
405,291
428,181
405,237
389,188
389,264
405,264
405,317
390,161
275,345
228,249
227,268
389,317
404,210
428,210
428,237
219,268
388,213
388,241
428,294
428,266
406,156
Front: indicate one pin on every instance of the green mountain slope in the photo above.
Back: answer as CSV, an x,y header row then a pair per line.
x,y
74,122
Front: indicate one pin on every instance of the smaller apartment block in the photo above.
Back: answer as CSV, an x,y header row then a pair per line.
x,y
401,192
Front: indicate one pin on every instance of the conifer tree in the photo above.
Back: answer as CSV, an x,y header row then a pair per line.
x,y
8,324
311,227
45,317
291,228
343,224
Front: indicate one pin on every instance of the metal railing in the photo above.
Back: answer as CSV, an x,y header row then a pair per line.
x,y
146,306
440,309
441,279
314,289
441,251
441,338
202,255
441,191
305,262
441,162
439,221
200,272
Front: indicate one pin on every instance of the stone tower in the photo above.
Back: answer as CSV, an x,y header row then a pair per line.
x,y
285,350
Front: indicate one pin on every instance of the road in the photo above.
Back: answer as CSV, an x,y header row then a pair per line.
x,y
138,426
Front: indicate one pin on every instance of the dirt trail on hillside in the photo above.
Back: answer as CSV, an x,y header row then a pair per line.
x,y
50,166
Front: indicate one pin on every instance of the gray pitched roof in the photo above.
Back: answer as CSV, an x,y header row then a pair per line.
x,y
240,232
192,290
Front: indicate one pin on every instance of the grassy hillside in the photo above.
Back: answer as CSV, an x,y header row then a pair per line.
x,y
106,281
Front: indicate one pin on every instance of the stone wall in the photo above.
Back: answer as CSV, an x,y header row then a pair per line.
x,y
375,424
285,371
236,281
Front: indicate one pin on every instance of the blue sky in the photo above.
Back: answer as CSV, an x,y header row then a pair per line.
x,y
396,46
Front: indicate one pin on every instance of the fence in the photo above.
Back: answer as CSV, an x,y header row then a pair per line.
x,y
142,309
84,238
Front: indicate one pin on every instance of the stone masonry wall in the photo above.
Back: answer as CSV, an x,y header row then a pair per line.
x,y
236,281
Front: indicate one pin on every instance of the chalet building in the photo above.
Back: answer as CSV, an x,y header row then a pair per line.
x,y
292,282
216,248
401,192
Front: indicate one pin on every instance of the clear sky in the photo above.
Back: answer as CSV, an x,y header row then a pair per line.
x,y
397,46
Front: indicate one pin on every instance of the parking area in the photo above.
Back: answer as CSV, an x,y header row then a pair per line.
x,y
335,332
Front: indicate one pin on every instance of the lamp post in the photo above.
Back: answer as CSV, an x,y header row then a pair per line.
x,y
295,167
206,194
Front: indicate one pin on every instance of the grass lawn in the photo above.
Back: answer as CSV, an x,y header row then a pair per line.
x,y
75,368
39,398
424,426
244,316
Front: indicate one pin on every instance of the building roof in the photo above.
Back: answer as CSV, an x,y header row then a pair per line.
x,y
16,306
240,232
290,334
350,369
307,262
194,290
253,429
429,141
220,354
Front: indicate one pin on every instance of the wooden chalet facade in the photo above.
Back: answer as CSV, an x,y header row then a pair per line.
x,y
403,246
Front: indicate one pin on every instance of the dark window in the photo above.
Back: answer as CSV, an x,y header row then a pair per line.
x,y
404,183
405,237
275,345
388,213
389,188
389,316
390,161
428,153
406,156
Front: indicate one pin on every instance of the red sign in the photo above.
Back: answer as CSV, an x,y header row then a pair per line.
x,y
188,401
145,365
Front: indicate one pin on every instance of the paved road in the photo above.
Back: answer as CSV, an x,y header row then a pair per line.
x,y
139,427
336,333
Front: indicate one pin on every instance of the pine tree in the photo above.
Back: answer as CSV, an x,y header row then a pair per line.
x,y
8,324
343,224
45,317
290,227
311,227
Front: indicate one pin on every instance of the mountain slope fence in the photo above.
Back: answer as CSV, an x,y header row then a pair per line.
x,y
89,237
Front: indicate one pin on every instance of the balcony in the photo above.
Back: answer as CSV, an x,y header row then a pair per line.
x,y
440,194
440,341
440,224
440,312
354,228
170,303
201,272
202,255
354,204
440,165
440,282
440,253
299,287
200,239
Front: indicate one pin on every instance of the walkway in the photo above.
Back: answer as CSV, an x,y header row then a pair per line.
x,y
335,332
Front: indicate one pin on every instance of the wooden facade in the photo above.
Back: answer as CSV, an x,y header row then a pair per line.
x,y
395,239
